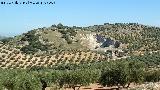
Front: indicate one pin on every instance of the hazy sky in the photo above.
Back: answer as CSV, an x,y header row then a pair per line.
x,y
16,19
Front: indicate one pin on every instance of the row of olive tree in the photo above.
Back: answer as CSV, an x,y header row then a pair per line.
x,y
114,73
39,80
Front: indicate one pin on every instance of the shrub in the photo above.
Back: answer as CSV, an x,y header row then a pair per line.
x,y
27,81
45,79
136,71
7,79
152,76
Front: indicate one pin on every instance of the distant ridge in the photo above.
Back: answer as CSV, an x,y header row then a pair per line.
x,y
2,37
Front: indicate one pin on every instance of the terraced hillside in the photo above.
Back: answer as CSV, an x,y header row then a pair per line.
x,y
60,44
14,58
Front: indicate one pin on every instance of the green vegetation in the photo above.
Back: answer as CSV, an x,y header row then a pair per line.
x,y
34,44
123,73
82,68
19,80
114,73
151,59
6,40
67,34
138,37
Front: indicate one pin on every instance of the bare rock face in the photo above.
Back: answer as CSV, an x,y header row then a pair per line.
x,y
90,41
93,41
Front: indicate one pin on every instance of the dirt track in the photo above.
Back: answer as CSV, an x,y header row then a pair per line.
x,y
93,87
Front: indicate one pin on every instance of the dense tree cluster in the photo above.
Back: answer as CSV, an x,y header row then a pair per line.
x,y
67,33
34,44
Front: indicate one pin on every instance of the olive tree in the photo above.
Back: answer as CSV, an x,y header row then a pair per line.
x,y
18,80
115,75
136,71
77,78
27,81
7,79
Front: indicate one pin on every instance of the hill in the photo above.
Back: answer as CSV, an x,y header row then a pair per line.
x,y
2,37
61,44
